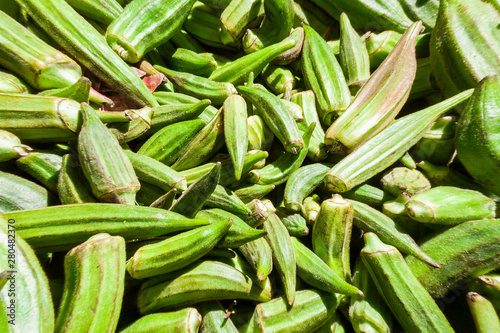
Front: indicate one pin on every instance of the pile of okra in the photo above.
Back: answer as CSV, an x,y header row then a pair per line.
x,y
249,166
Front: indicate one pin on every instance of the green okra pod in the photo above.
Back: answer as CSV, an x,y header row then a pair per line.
x,y
437,145
226,199
323,75
371,220
83,42
433,206
368,195
276,116
386,147
258,213
183,60
11,147
105,165
169,98
309,13
143,25
408,300
11,84
94,285
78,91
331,235
44,167
101,11
282,253
184,40
165,201
464,251
279,79
489,287
59,228
395,209
318,274
236,131
187,320
193,198
199,282
255,191
402,179
483,313
311,310
152,171
72,186
310,208
258,253
215,319
295,223
238,16
176,252
165,115
259,135
125,132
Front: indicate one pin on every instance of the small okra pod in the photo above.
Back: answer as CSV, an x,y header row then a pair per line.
x,y
204,145
408,161
386,147
488,286
239,233
187,320
371,220
354,58
165,201
258,213
405,296
254,191
310,208
395,209
279,79
11,147
295,223
236,131
303,182
226,199
176,252
311,310
105,165
259,255
367,194
276,26
331,235
295,110
238,16
259,135
280,170
402,179
485,317
18,193
307,101
165,115
437,144
379,100
101,11
154,172
127,35
199,87
168,98
199,282
283,254
317,274
167,144
276,116
236,72
193,198
433,206
94,285
44,167
452,249
368,313
183,60
11,84
323,75
125,132
215,319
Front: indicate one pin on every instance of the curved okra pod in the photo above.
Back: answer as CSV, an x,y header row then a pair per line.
x,y
331,235
433,206
379,100
187,320
143,25
101,11
11,147
323,75
193,198
199,282
93,286
176,252
31,286
316,272
72,186
386,147
83,42
276,116
283,254
484,314
167,144
105,165
408,300
254,191
311,310
168,98
165,115
44,167
59,228
371,220
236,131
303,182
183,60
258,253
280,170
464,252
